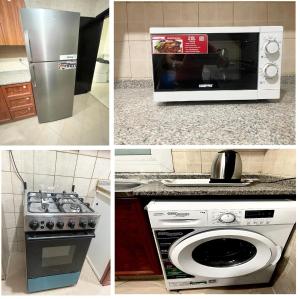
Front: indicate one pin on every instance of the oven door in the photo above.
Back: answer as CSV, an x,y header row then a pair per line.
x,y
56,253
230,63
224,253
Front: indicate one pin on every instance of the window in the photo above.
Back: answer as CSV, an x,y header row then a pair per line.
x,y
144,160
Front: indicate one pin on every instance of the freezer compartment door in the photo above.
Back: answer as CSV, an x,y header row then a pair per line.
x,y
53,88
50,35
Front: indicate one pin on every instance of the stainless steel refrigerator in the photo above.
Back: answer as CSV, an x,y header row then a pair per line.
x,y
51,38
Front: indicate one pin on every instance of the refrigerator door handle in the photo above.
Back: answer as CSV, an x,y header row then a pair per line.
x,y
27,45
32,72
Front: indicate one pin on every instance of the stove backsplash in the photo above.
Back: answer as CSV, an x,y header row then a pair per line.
x,y
47,170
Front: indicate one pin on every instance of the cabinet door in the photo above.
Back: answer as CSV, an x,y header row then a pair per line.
x,y
135,248
11,32
4,113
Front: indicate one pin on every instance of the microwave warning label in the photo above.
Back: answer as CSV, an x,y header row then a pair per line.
x,y
180,44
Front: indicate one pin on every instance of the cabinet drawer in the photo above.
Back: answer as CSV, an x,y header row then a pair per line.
x,y
22,112
17,90
19,102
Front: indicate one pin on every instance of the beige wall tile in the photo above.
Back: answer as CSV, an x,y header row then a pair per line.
x,y
180,13
188,161
250,13
122,61
280,163
283,14
139,53
215,14
288,57
142,16
252,161
207,159
179,161
120,26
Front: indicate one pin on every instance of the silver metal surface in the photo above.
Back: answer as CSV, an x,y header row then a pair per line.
x,y
43,217
220,166
50,33
53,90
51,37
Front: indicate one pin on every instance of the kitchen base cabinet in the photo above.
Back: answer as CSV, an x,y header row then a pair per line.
x,y
135,248
17,102
4,112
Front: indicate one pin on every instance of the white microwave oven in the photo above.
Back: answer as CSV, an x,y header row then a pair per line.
x,y
216,63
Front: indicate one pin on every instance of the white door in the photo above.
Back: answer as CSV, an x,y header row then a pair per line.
x,y
224,253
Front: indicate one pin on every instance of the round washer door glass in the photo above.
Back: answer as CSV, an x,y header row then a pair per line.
x,y
224,252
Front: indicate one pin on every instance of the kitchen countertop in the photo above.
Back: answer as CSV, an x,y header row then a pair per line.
x,y
153,188
14,70
139,120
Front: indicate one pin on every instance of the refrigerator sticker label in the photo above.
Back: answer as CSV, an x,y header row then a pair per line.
x,y
68,56
180,44
67,65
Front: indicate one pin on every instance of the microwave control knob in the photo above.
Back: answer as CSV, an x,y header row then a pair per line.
x,y
83,224
60,224
71,224
272,47
34,224
50,224
92,223
227,218
270,70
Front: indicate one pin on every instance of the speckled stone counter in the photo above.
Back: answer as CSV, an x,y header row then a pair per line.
x,y
138,120
14,71
263,189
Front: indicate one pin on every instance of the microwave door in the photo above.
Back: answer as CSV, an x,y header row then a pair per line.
x,y
54,254
49,34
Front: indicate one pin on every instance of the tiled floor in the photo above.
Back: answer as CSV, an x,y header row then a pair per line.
x,y
89,125
15,283
158,287
100,91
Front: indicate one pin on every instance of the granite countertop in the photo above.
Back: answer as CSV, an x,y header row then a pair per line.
x,y
14,70
285,189
139,120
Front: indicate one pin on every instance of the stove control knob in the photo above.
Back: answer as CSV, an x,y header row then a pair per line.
x,y
227,218
270,70
60,224
83,224
50,224
71,224
92,223
272,47
34,224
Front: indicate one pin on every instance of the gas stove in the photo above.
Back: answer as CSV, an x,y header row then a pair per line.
x,y
45,211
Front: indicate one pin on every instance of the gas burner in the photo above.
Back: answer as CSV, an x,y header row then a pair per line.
x,y
71,208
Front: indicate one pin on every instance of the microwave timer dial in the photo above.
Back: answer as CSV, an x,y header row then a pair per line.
x,y
270,70
272,47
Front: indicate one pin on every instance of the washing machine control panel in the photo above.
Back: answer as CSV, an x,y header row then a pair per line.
x,y
226,217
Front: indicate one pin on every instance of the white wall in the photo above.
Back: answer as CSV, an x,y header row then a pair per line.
x,y
57,170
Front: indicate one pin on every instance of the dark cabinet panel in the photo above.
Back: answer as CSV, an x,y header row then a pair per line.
x,y
135,248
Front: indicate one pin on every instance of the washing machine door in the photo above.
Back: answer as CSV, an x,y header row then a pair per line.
x,y
224,253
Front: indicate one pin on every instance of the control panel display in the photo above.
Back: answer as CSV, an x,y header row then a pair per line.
x,y
259,214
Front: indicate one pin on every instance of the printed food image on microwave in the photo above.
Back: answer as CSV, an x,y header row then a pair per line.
x,y
242,62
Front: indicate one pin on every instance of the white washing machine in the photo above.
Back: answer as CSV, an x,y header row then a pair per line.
x,y
219,243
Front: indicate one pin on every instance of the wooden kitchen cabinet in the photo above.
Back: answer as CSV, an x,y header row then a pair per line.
x,y
11,33
18,101
135,251
4,112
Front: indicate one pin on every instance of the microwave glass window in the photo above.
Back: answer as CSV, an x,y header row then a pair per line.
x,y
57,255
230,64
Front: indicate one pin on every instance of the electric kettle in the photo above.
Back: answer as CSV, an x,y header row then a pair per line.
x,y
226,167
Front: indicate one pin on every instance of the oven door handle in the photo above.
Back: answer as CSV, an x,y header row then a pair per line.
x,y
51,237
